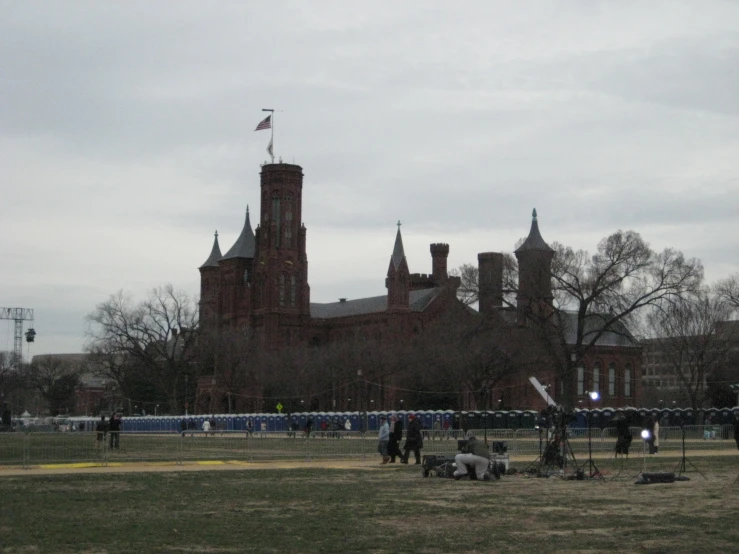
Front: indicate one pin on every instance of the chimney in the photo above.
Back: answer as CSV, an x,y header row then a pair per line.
x,y
490,281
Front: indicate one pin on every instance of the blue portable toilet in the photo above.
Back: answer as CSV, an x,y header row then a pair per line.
x,y
513,419
354,419
447,420
581,418
606,416
643,415
689,417
596,416
529,419
500,420
372,421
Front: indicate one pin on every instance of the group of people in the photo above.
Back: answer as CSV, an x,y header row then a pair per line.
x,y
111,429
388,445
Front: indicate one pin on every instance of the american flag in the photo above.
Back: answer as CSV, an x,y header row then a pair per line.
x,y
266,123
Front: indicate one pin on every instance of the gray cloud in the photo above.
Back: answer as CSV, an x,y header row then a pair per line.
x,y
126,135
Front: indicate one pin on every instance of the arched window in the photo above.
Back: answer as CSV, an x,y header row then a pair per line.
x,y
596,377
627,381
580,380
611,379
292,290
281,287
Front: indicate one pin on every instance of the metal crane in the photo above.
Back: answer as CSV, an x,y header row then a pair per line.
x,y
19,315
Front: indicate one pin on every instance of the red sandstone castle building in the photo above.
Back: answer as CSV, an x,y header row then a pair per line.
x,y
261,283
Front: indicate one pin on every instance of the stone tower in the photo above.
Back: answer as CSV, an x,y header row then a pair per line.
x,y
210,275
281,295
534,256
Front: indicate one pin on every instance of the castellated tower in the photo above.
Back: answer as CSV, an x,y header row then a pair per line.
x,y
281,294
439,255
490,275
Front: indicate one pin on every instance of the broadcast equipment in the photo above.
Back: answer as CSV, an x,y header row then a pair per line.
x,y
558,452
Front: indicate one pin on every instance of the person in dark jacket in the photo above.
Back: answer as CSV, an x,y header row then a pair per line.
x,y
101,428
736,429
413,440
623,435
396,435
115,430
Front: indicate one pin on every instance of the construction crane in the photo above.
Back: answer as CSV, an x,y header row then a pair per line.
x,y
19,315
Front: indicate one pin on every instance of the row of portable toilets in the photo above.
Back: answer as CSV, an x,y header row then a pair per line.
x,y
431,420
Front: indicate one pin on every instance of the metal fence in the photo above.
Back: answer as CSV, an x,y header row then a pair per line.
x,y
31,449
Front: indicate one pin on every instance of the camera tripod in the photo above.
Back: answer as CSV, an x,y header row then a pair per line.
x,y
555,456
680,468
593,470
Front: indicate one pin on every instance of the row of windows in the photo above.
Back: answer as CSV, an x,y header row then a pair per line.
x,y
594,381
285,234
290,294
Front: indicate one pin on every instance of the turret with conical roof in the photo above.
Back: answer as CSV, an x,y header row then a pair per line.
x,y
209,285
245,245
398,276
236,277
534,273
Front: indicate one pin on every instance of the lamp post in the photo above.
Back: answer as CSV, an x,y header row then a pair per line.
x,y
156,409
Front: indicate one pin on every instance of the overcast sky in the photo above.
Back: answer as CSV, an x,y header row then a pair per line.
x,y
127,136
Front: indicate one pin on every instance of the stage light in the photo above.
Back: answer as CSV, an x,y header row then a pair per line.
x,y
645,434
594,395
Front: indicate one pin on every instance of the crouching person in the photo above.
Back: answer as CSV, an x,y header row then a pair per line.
x,y
474,453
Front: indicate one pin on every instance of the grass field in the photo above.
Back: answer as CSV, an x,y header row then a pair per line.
x,y
388,509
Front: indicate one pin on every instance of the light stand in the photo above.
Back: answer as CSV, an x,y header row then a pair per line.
x,y
593,470
681,464
645,435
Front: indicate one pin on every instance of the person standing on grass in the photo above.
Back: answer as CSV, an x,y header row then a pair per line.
x,y
115,430
206,427
383,438
102,430
396,435
413,440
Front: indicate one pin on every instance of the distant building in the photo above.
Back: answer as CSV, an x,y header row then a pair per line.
x,y
93,393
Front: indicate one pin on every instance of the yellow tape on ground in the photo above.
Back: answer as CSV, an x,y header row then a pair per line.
x,y
78,465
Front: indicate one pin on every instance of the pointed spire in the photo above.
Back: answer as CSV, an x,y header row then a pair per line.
x,y
215,254
398,252
245,245
534,241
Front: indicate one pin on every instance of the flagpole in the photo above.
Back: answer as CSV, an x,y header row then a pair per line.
x,y
272,127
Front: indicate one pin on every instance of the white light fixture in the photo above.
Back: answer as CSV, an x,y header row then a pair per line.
x,y
594,395
645,434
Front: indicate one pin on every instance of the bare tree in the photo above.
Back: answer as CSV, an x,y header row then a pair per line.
x,y
154,339
606,292
56,381
728,289
689,340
